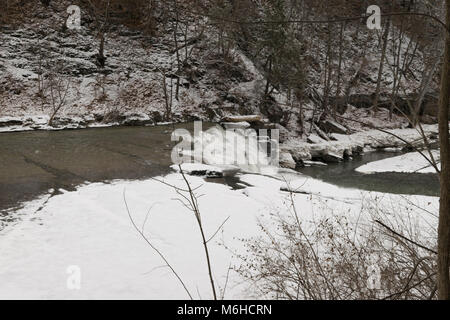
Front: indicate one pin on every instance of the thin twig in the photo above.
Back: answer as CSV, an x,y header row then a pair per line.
x,y
154,248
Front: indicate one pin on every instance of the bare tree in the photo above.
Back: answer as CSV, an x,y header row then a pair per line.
x,y
444,209
59,88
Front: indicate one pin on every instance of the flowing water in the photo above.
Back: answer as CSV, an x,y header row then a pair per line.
x,y
343,174
31,163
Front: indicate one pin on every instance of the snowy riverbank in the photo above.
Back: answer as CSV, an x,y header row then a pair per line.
x,y
90,228
406,163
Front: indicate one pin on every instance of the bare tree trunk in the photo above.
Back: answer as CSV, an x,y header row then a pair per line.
x,y
380,69
328,71
444,208
427,78
175,38
339,72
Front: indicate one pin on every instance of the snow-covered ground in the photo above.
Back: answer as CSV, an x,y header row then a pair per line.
x,y
407,163
90,229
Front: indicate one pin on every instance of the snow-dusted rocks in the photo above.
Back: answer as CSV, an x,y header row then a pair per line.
x,y
333,127
287,161
249,118
236,125
199,169
346,146
312,138
40,122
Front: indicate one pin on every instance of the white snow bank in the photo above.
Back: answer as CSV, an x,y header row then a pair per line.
x,y
409,162
90,228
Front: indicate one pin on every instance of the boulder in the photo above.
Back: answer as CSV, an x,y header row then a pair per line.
x,y
312,138
327,153
287,161
299,152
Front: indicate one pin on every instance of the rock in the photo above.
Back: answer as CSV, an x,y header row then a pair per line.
x,y
10,121
287,161
327,152
236,125
357,149
199,169
312,138
309,163
348,153
332,127
283,133
249,118
137,120
332,157
298,150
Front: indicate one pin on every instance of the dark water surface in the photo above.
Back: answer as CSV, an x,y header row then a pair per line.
x,y
344,175
31,163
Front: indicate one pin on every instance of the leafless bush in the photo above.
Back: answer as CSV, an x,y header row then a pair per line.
x,y
53,86
334,258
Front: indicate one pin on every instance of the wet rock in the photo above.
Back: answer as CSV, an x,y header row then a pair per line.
x,y
327,152
332,157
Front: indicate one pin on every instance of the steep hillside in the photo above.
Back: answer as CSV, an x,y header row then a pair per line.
x,y
51,75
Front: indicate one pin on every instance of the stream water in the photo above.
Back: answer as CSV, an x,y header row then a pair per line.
x,y
31,163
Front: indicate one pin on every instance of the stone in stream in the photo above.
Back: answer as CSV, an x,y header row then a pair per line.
x,y
287,161
327,152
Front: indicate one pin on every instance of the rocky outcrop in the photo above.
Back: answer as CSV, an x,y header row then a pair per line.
x,y
347,146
